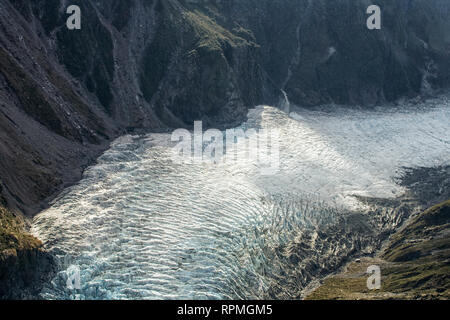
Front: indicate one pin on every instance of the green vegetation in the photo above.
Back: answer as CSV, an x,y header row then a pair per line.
x,y
13,235
414,265
190,46
348,286
210,35
24,266
426,232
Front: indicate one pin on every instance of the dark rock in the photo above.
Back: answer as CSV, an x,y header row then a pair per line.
x,y
153,64
24,266
23,273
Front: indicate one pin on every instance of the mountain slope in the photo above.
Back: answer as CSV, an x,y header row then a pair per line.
x,y
414,265
153,65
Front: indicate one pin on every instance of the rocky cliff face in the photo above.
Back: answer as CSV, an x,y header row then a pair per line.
x,y
320,51
24,265
154,64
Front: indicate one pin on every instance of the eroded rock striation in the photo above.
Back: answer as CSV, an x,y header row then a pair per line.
x,y
153,64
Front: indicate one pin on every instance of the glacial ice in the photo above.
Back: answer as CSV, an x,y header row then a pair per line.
x,y
139,225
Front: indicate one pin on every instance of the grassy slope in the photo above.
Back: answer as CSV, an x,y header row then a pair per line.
x,y
414,265
13,236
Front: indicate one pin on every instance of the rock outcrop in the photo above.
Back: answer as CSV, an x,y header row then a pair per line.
x,y
24,265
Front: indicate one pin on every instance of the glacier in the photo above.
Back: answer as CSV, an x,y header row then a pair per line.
x,y
140,226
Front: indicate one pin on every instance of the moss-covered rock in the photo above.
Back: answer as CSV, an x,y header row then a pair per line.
x,y
197,69
24,265
12,233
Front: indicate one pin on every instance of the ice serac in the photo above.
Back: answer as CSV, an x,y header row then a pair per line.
x,y
153,64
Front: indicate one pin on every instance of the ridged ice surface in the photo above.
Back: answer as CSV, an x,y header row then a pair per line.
x,y
141,226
